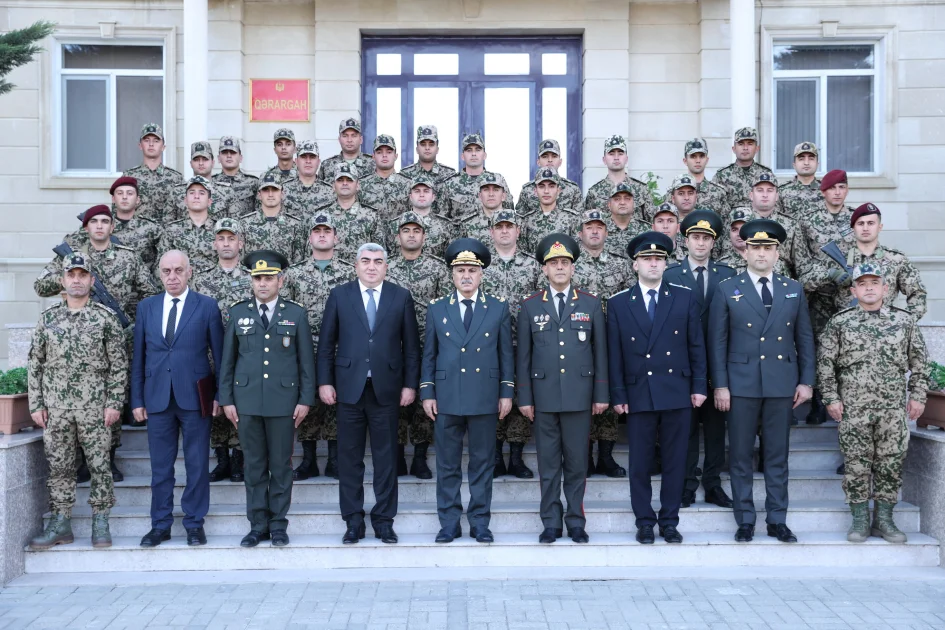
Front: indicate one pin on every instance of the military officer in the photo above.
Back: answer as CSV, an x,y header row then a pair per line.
x,y
305,192
702,275
734,247
194,234
283,145
355,222
242,186
492,198
460,193
272,226
762,363
561,376
382,188
549,156
201,162
78,374
551,215
740,176
467,383
349,139
267,385
428,147
615,159
863,390
803,193
708,194
437,230
156,182
622,223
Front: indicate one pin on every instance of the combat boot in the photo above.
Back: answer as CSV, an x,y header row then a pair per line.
x,y
883,524
309,466
331,467
591,468
58,532
606,465
236,466
117,475
82,474
222,470
517,467
818,412
500,469
418,467
101,537
860,528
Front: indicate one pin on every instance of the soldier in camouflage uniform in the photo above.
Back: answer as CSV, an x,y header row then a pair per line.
x,y
734,247
549,156
227,283
666,220
708,194
306,193
763,198
427,278
615,159
740,176
682,194
309,284
428,146
438,230
355,222
492,198
283,145
193,234
156,182
384,189
273,227
459,196
201,161
802,194
551,215
349,138
622,223
78,374
864,355
241,186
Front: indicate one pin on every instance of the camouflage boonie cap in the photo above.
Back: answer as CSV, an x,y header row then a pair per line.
x,y
866,269
201,180
547,175
228,224
681,182
269,180
151,129
492,179
344,170
473,138
666,207
349,123
410,217
621,187
746,133
384,140
201,149
77,261
322,218
504,216
427,132
806,147
549,146
615,142
592,215
423,179
283,134
307,147
229,143
741,214
765,178
696,145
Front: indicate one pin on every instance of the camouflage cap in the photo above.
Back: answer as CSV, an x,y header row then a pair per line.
x,y
283,133
228,224
384,140
269,180
621,187
473,138
423,179
307,147
546,175
322,218
349,123
344,170
549,146
742,214
410,217
866,269
681,182
746,133
427,132
765,178
696,145
151,129
492,179
202,181
806,147
504,216
77,260
666,207
229,143
615,142
201,149
593,215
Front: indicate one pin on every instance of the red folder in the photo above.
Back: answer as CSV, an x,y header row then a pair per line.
x,y
206,390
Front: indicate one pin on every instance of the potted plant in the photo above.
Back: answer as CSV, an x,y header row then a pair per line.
x,y
14,406
934,413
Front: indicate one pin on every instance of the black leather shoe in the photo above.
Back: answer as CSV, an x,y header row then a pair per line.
x,y
578,535
717,496
549,535
670,534
688,498
354,533
155,537
448,536
196,536
745,533
782,532
253,538
645,535
385,533
481,534
279,538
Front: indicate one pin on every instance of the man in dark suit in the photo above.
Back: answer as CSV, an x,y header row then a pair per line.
x,y
561,372
173,333
369,363
467,384
267,386
657,376
761,357
702,275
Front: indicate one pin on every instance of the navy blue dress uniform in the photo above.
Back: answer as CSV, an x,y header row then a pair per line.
x,y
561,371
703,279
761,347
267,369
657,362
468,365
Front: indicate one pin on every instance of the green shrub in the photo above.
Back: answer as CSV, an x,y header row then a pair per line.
x,y
653,184
13,381
937,377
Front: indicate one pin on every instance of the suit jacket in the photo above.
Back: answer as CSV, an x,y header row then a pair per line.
x,y
466,372
347,348
267,371
656,366
562,365
157,367
757,354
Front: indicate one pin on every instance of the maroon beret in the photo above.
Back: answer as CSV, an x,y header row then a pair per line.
x,y
123,181
95,211
833,178
865,209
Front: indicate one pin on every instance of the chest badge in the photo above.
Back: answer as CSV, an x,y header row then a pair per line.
x,y
286,341
582,335
737,295
542,321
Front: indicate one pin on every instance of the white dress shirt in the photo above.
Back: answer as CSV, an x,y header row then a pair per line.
x,y
462,307
646,298
754,281
168,304
365,297
554,296
270,309
705,274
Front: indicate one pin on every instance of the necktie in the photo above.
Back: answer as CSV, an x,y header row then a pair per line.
x,y
765,293
171,323
560,297
651,306
371,309
467,316
700,280
265,318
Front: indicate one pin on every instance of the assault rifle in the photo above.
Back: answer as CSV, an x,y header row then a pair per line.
x,y
99,293
832,250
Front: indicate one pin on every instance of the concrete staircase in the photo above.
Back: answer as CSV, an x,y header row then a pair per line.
x,y
818,516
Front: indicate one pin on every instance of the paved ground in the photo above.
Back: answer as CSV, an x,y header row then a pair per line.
x,y
485,605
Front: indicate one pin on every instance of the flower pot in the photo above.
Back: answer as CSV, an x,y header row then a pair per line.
x,y
15,414
934,413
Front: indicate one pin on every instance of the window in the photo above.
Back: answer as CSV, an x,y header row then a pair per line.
x,y
830,94
106,92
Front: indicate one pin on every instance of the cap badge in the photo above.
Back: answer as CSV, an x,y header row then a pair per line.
x,y
759,235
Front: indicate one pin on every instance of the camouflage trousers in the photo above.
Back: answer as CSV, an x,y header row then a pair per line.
x,y
420,426
63,429
874,444
223,433
514,427
321,423
604,426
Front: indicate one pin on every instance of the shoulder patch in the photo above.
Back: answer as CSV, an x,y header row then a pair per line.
x,y
681,286
618,293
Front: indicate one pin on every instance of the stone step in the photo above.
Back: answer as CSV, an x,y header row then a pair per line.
x,y
804,485
322,552
507,517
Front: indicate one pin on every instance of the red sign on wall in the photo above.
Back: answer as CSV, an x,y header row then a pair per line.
x,y
278,100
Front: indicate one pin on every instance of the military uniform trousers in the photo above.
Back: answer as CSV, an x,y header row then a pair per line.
x,y
874,444
672,428
604,426
566,434
223,434
267,469
450,431
64,429
713,435
514,427
321,423
413,420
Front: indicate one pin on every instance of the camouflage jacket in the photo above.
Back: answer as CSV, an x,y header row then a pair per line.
x,y
738,181
355,226
427,278
477,226
226,286
140,234
363,165
459,196
155,190
303,200
77,360
598,198
284,233
713,197
283,177
796,199
440,172
569,196
194,240
816,229
439,231
241,191
308,285
602,275
863,357
390,195
513,280
537,225
618,239
219,204
900,274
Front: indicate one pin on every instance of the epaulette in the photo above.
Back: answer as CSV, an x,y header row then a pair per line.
x,y
442,297
436,258
125,247
844,310
673,264
364,205
290,215
238,302
764,167
282,299
249,214
496,297
634,179
175,221
681,286
323,207
367,155
94,304
722,264
588,293
168,168
569,209
902,310
726,168
56,305
618,293
729,278
525,298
